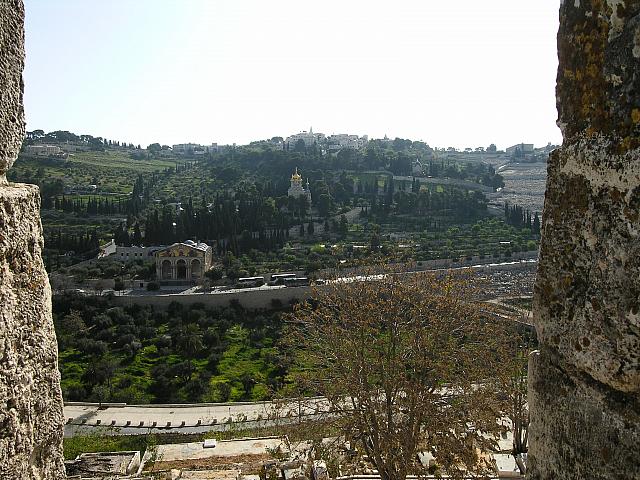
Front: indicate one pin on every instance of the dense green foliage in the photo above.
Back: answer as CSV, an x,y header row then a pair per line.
x,y
237,198
520,217
488,237
74,446
367,206
143,355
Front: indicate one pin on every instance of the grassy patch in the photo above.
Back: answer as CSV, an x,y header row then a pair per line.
x,y
102,442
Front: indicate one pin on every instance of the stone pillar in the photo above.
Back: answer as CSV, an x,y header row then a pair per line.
x,y
584,384
31,416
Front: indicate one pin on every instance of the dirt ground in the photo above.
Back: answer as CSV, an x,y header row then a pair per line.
x,y
247,464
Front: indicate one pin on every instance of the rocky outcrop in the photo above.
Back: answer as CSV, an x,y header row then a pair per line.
x,y
584,385
31,418
11,86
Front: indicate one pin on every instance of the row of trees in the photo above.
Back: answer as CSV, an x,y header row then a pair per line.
x,y
91,206
458,205
73,242
520,217
64,136
223,218
251,221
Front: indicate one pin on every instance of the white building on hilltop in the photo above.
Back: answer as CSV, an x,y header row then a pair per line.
x,y
194,148
520,149
309,138
43,150
343,140
297,189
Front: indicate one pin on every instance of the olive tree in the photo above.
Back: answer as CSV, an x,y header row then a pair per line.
x,y
408,364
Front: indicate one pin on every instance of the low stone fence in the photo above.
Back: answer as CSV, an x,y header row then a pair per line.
x,y
251,299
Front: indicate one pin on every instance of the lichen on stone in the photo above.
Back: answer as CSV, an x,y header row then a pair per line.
x,y
31,417
584,385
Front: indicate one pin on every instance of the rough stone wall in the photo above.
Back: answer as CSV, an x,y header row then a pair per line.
x,y
11,86
584,385
31,418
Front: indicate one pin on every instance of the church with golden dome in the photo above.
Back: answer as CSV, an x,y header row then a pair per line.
x,y
297,189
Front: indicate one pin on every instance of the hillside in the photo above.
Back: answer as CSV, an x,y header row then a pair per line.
x,y
398,199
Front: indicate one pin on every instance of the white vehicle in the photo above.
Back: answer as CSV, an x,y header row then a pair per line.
x,y
248,282
279,278
296,282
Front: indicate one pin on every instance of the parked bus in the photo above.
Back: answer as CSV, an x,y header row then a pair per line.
x,y
279,278
247,282
296,282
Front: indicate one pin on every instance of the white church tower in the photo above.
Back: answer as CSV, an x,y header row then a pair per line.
x,y
297,189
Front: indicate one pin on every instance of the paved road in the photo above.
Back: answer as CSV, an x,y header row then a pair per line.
x,y
198,417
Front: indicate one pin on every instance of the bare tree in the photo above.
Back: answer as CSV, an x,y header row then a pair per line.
x,y
99,286
522,341
408,364
516,390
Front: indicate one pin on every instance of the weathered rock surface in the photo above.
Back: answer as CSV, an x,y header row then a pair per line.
x,y
31,417
584,389
586,432
11,86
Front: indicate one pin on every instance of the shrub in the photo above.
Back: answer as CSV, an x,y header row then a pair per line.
x,y
214,274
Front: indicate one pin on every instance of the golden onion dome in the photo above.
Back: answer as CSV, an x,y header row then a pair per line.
x,y
296,176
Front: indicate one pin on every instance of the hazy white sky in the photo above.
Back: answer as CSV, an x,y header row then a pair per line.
x,y
461,73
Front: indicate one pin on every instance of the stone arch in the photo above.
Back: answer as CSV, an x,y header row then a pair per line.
x,y
196,268
181,270
165,270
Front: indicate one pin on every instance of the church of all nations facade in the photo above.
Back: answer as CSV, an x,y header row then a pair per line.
x,y
183,262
